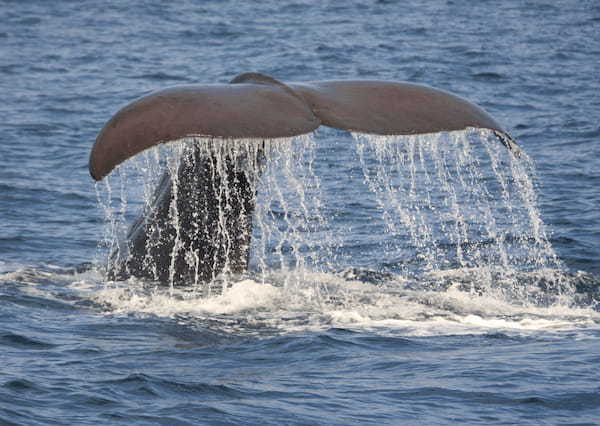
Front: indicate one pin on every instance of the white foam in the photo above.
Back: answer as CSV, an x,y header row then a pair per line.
x,y
319,301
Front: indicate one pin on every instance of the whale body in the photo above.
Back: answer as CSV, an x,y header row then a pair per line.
x,y
213,228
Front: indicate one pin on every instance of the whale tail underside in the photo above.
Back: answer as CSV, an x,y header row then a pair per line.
x,y
256,106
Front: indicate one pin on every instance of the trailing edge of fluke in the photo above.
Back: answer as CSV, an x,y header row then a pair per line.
x,y
257,106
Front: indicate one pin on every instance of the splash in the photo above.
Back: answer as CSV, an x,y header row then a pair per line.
x,y
287,218
458,204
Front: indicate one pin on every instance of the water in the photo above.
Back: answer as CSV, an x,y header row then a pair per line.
x,y
387,285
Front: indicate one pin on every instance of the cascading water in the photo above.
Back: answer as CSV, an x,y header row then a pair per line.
x,y
459,201
456,208
291,232
287,220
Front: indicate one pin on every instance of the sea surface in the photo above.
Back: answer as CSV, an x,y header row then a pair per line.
x,y
425,280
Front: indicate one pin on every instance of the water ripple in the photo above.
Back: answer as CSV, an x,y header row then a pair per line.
x,y
23,342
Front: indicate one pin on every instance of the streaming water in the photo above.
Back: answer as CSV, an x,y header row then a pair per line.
x,y
462,201
458,203
288,225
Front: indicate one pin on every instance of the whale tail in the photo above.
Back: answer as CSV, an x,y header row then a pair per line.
x,y
256,106
211,196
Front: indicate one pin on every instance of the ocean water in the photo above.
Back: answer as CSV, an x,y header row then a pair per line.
x,y
423,280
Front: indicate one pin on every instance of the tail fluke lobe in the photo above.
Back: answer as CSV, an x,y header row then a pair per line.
x,y
226,111
391,108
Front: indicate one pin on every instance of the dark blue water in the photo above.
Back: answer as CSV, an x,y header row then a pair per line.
x,y
357,337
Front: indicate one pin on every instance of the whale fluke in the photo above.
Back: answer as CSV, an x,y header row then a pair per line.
x,y
228,111
199,224
391,108
257,106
